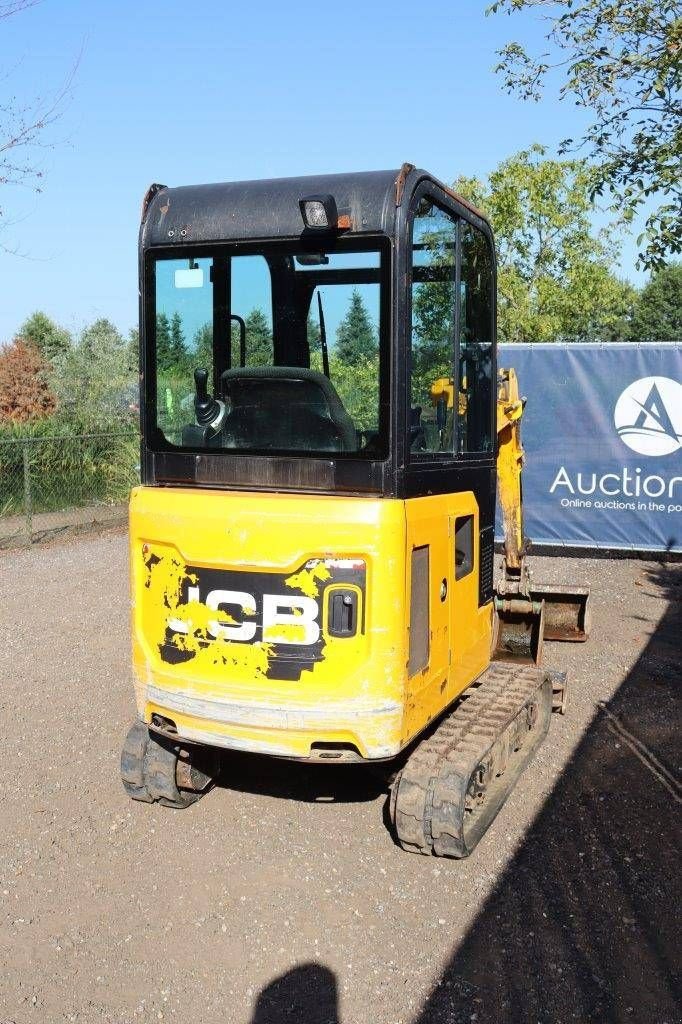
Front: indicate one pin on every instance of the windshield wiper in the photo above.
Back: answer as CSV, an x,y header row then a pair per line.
x,y
323,336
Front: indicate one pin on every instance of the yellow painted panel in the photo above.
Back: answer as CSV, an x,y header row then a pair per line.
x,y
218,686
460,632
177,533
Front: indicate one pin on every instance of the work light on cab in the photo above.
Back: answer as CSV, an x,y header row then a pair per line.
x,y
319,213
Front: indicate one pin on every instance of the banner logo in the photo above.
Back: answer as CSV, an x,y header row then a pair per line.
x,y
648,416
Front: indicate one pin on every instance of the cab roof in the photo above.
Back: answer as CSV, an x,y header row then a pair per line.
x,y
268,208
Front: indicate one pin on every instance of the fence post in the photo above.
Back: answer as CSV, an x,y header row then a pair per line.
x,y
28,502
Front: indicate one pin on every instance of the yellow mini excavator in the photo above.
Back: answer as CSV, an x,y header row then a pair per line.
x,y
312,545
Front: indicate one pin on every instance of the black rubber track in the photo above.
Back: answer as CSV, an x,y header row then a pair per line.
x,y
132,762
446,797
149,769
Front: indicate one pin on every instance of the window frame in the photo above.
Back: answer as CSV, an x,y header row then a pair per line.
x,y
480,453
460,215
155,439
427,190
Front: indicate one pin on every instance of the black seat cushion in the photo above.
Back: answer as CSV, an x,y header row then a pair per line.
x,y
284,408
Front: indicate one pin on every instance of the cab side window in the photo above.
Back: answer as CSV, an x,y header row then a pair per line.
x,y
475,408
434,249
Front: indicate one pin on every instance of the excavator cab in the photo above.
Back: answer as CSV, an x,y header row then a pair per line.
x,y
312,543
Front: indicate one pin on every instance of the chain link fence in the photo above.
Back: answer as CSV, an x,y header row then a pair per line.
x,y
50,484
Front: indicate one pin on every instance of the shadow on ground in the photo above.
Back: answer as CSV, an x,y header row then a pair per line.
x,y
304,995
348,783
582,924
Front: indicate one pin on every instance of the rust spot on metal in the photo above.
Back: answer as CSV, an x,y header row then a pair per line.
x,y
466,203
148,196
400,182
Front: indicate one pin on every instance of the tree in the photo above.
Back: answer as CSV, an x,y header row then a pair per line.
x,y
178,349
554,278
50,339
24,126
355,335
258,340
25,393
258,343
620,60
132,356
357,385
164,347
95,385
202,348
658,312
314,333
433,308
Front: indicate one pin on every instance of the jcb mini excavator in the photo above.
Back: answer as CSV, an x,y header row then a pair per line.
x,y
312,543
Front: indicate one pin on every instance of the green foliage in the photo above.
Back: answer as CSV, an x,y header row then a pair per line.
x,y
355,336
554,278
132,353
164,345
620,60
658,312
201,354
65,471
258,340
50,339
95,384
178,350
314,333
357,385
433,313
258,345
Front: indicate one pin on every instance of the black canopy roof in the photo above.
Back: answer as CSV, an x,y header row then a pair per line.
x,y
269,208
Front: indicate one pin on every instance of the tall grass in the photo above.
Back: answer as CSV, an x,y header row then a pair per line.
x,y
65,470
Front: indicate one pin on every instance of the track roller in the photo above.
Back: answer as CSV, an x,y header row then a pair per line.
x,y
457,779
154,768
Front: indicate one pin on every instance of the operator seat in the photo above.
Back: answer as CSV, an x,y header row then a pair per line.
x,y
284,407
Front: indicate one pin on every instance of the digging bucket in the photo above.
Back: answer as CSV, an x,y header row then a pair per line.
x,y
552,612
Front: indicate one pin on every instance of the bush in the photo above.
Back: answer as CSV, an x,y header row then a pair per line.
x,y
25,394
66,470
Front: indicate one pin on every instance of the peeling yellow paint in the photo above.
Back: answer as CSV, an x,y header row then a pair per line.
x,y
308,580
253,658
165,578
196,616
286,632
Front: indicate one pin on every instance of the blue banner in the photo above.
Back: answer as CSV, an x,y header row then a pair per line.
x,y
602,431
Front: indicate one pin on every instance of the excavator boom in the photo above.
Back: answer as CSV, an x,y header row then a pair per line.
x,y
526,614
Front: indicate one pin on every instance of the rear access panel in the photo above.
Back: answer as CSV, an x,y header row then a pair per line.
x,y
269,622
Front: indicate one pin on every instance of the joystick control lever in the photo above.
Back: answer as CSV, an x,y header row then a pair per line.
x,y
206,408
209,411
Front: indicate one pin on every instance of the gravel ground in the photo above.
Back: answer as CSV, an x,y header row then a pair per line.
x,y
281,897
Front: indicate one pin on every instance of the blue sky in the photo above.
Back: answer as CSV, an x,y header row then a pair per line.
x,y
187,92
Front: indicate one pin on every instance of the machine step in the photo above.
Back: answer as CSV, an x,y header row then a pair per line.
x,y
457,779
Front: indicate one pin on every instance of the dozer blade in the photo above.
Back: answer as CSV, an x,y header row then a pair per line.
x,y
552,612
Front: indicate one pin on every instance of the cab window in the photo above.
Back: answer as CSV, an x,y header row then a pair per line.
x,y
475,407
291,340
434,248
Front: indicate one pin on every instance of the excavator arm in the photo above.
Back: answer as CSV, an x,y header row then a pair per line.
x,y
509,465
526,615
